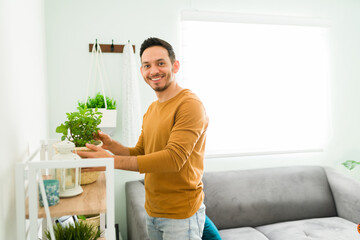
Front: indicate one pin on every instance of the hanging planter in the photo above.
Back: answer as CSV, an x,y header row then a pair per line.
x,y
104,103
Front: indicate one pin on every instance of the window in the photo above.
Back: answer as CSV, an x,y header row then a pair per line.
x,y
264,80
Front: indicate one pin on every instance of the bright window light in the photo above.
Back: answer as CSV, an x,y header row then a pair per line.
x,y
264,85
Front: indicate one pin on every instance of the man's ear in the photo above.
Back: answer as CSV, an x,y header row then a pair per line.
x,y
176,66
141,70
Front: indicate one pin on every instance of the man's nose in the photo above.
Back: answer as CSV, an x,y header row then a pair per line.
x,y
154,70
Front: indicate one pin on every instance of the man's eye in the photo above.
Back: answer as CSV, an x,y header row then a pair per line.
x,y
146,66
161,63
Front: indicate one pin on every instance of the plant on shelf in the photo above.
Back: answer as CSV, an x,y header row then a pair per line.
x,y
81,126
350,164
76,231
98,102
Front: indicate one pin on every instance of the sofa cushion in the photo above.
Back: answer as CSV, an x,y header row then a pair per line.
x,y
242,233
333,228
135,211
210,230
251,198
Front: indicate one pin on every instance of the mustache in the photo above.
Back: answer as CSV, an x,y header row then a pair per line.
x,y
157,75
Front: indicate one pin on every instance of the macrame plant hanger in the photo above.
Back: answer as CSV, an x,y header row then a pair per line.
x,y
108,121
99,69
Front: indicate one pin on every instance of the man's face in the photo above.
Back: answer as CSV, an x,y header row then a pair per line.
x,y
157,69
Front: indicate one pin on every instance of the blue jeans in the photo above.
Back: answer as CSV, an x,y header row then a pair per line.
x,y
177,229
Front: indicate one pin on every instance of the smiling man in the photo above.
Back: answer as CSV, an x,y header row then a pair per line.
x,y
170,149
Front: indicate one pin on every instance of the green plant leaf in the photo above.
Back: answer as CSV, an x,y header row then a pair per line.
x,y
62,129
82,217
350,164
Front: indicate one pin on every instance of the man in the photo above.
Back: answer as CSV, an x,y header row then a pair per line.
x,y
170,149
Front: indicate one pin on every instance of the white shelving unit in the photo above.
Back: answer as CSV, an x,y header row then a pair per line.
x,y
28,212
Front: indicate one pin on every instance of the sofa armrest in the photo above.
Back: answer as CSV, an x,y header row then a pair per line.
x,y
346,193
135,211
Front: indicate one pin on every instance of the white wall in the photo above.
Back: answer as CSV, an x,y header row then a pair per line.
x,y
22,95
72,25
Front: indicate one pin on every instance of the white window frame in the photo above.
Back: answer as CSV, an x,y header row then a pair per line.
x,y
259,19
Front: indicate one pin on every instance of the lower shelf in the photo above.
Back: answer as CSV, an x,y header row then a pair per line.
x,y
91,201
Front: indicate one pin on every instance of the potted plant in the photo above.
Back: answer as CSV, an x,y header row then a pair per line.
x,y
76,231
80,128
350,164
107,106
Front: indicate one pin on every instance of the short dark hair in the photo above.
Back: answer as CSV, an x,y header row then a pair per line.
x,y
153,41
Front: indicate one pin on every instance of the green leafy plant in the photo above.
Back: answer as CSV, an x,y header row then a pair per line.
x,y
82,217
350,164
76,231
80,126
98,102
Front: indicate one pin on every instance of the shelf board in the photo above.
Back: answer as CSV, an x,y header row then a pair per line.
x,y
91,201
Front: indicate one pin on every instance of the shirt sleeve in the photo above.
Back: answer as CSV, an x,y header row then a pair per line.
x,y
190,124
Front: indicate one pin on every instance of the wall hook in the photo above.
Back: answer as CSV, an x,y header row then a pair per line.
x,y
108,48
112,46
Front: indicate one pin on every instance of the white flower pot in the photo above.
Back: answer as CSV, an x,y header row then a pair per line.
x,y
108,121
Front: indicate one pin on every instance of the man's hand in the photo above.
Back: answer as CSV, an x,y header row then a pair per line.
x,y
120,162
106,139
112,145
99,152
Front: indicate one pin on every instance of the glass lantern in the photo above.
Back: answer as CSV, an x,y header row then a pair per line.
x,y
69,178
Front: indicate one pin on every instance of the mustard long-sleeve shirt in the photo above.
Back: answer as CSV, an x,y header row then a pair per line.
x,y
170,151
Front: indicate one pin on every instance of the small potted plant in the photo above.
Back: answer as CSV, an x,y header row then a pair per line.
x,y
351,164
107,106
80,128
76,231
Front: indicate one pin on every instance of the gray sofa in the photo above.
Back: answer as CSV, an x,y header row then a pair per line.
x,y
284,203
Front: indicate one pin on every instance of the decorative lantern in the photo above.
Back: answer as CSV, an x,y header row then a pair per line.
x,y
69,178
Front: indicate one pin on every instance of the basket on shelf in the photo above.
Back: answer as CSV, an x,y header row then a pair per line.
x,y
88,177
92,220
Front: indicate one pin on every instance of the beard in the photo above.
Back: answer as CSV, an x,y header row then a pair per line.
x,y
163,88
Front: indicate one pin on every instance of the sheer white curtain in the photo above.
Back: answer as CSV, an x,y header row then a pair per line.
x,y
130,104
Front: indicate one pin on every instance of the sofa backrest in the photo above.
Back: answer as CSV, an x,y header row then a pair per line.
x,y
264,196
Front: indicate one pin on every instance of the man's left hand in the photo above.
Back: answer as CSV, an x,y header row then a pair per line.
x,y
99,152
